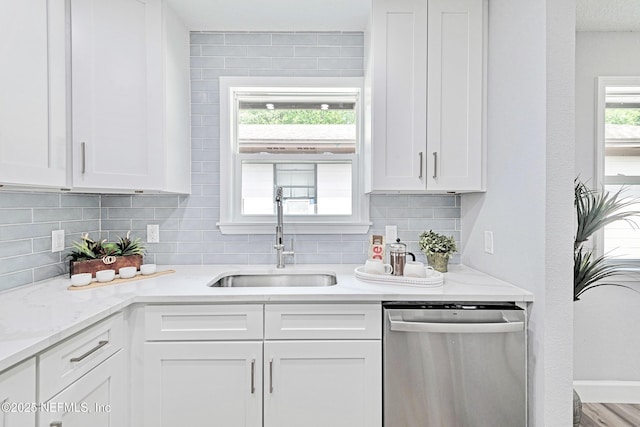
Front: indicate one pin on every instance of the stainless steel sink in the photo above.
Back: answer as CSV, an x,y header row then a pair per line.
x,y
257,279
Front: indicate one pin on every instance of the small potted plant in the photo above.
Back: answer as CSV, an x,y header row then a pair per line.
x,y
437,248
90,255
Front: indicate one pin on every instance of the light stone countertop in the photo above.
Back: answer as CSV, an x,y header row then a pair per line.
x,y
35,317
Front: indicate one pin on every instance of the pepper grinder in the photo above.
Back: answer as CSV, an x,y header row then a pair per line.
x,y
398,257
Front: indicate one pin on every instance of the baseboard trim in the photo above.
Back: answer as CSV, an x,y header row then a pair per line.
x,y
608,391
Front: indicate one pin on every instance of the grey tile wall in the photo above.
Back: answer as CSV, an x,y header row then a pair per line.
x,y
26,223
188,231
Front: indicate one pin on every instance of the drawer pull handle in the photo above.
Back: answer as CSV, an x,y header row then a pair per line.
x,y
56,424
271,376
90,352
253,376
435,165
83,147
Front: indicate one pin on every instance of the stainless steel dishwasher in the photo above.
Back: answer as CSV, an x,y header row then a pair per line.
x,y
454,365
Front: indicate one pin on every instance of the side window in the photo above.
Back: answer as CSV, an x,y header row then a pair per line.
x,y
619,145
303,135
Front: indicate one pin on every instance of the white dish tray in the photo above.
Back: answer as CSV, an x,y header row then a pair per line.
x,y
433,280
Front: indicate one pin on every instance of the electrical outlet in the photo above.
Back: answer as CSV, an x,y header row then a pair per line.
x,y
57,240
153,233
391,233
488,242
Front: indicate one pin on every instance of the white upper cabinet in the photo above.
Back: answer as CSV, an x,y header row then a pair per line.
x,y
33,100
124,135
425,71
455,95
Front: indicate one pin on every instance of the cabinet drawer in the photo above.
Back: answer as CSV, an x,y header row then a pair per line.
x,y
203,322
323,321
64,363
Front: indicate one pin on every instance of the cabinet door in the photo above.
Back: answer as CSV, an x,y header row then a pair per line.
x,y
18,386
455,95
33,101
117,94
323,383
97,399
399,90
203,384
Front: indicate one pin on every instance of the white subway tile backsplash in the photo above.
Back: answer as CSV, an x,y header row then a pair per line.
x,y
224,51
340,63
46,215
206,38
295,63
18,278
270,51
16,216
317,52
295,39
16,247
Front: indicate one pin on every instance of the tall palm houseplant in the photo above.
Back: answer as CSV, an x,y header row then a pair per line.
x,y
594,210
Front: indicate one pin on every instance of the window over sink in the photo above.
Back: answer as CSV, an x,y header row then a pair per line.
x,y
301,134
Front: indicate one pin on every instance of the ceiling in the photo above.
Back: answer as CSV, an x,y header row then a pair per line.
x,y
352,15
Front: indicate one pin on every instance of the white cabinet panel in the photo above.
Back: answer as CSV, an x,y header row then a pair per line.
x,y
33,102
203,383
399,90
455,95
322,321
117,93
97,399
18,386
322,383
66,362
203,322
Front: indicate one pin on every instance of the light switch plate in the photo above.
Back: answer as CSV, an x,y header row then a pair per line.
x,y
390,233
57,240
153,233
488,242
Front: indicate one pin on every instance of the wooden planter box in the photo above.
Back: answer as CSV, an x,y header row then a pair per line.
x,y
91,266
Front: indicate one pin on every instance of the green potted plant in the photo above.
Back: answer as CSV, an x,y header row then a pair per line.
x,y
594,210
89,256
438,248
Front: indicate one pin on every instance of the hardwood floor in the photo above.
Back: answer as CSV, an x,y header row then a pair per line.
x,y
610,415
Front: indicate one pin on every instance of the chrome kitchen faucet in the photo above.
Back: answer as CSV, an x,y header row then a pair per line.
x,y
279,246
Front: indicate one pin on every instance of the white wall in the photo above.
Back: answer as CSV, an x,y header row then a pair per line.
x,y
529,201
606,345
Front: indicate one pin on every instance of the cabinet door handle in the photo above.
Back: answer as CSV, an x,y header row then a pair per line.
x,y
420,160
435,164
253,376
56,424
271,376
83,149
90,352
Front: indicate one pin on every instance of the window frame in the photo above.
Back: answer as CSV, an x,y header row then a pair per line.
x,y
600,180
231,219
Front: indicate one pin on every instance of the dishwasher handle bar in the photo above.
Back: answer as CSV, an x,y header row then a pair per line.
x,y
456,328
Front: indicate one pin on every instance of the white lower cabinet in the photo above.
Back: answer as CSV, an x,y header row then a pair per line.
x,y
18,387
261,381
322,383
96,399
203,383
